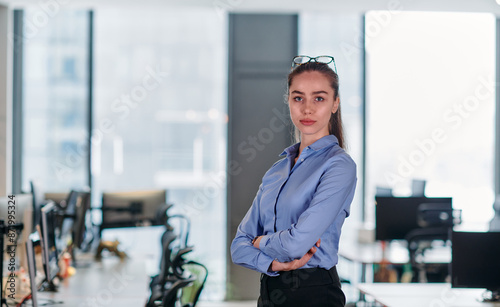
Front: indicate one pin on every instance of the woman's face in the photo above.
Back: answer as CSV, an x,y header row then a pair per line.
x,y
311,104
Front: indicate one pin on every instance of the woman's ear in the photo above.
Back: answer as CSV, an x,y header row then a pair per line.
x,y
336,104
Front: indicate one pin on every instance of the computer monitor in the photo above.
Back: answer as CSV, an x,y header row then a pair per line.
x,y
73,224
79,227
395,217
49,247
68,215
131,208
475,261
31,244
38,199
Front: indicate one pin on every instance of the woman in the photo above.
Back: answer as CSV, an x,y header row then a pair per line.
x,y
291,232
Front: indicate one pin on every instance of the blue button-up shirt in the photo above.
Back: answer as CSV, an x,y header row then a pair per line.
x,y
296,206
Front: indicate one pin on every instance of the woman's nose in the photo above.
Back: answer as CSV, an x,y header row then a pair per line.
x,y
307,108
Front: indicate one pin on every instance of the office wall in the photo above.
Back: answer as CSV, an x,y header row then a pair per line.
x,y
260,51
5,103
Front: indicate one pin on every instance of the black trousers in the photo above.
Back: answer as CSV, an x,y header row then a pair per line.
x,y
302,288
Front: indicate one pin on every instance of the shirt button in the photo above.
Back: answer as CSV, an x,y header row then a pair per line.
x,y
302,160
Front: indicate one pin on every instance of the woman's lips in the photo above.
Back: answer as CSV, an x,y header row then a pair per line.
x,y
307,122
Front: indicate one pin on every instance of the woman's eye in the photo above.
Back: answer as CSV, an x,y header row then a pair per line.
x,y
320,98
297,98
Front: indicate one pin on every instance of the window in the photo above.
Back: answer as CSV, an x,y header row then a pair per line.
x,y
431,107
55,99
160,117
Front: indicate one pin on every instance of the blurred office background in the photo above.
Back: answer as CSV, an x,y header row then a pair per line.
x,y
118,96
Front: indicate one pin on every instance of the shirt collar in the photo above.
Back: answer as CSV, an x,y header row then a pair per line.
x,y
326,141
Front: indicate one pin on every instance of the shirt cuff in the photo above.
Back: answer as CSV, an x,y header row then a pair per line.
x,y
263,242
266,246
264,265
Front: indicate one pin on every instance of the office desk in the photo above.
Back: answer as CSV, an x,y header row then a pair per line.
x,y
423,295
110,282
113,283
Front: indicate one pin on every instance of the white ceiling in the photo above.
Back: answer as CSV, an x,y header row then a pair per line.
x,y
280,6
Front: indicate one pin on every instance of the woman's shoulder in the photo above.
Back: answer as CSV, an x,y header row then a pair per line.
x,y
329,148
340,153
336,156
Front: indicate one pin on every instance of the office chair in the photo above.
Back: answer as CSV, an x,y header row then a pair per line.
x,y
191,293
436,220
159,281
420,240
172,295
168,286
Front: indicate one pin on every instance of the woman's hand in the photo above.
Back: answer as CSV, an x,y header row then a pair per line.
x,y
295,264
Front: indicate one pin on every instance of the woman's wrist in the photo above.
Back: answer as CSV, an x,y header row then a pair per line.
x,y
275,266
256,241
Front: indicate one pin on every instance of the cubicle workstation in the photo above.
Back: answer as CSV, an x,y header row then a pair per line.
x,y
401,225
45,231
475,277
61,229
423,223
468,263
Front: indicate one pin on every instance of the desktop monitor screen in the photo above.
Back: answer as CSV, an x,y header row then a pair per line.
x,y
37,203
65,238
395,217
48,235
116,207
475,260
73,225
